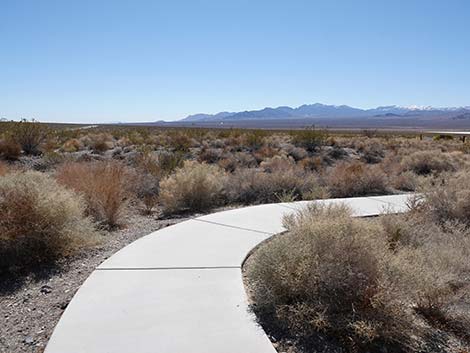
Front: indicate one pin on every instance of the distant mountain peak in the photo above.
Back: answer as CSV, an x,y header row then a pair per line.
x,y
319,110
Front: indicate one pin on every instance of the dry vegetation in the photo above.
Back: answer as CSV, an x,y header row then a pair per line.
x,y
106,187
40,220
397,283
167,171
342,284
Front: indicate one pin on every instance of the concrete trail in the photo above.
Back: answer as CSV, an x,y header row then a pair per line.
x,y
180,289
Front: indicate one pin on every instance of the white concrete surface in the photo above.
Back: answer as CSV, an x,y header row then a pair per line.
x,y
179,290
363,206
458,133
188,244
160,311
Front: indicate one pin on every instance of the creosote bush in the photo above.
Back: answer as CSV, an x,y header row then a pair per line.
x,y
39,220
427,162
348,179
9,149
106,187
195,186
28,134
310,139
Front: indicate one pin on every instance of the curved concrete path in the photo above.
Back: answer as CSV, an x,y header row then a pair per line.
x,y
180,289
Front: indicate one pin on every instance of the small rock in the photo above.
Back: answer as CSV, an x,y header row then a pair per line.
x,y
45,289
28,340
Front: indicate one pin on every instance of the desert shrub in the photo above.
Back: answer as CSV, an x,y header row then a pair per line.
x,y
327,282
373,151
245,160
72,145
254,139
265,152
179,141
437,255
310,139
348,179
209,155
278,164
334,153
333,283
39,220
4,169
147,190
105,186
298,153
249,186
169,161
28,134
9,149
406,181
100,143
443,137
195,186
427,162
448,199
228,163
313,163
159,164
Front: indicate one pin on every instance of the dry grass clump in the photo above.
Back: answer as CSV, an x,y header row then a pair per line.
x,y
349,179
9,149
105,186
100,143
147,190
437,255
72,145
4,168
448,199
327,283
195,186
250,186
39,220
427,162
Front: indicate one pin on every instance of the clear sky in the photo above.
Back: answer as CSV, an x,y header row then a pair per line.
x,y
124,60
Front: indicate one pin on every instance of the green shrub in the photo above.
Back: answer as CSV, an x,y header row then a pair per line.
x,y
310,139
28,134
39,220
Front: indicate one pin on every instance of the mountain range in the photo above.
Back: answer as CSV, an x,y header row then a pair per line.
x,y
319,110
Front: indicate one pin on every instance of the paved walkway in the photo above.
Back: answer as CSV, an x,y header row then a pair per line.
x,y
180,289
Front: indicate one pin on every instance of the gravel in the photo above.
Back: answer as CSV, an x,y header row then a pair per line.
x,y
31,306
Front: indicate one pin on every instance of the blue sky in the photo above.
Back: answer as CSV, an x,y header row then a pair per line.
x,y
102,61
